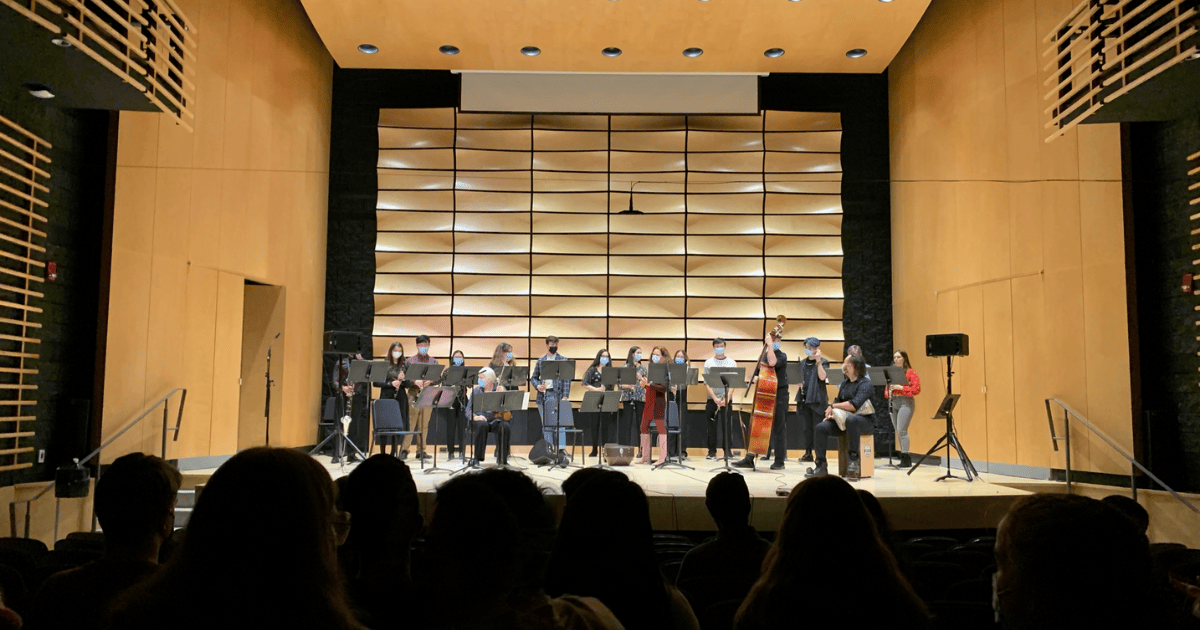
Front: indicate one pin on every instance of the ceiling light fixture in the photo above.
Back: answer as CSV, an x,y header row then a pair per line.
x,y
857,53
448,50
531,51
368,49
61,42
692,52
37,90
773,52
611,51
885,0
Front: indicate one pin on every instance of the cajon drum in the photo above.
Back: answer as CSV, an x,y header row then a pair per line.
x,y
866,455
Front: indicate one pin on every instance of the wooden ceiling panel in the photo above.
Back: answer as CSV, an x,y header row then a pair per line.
x,y
815,34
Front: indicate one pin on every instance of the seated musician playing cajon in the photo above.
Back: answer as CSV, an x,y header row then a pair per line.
x,y
853,393
484,422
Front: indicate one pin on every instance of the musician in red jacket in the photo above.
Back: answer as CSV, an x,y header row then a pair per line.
x,y
902,403
773,358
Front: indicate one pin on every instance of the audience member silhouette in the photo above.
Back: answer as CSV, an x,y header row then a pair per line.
x,y
736,553
259,553
582,476
497,524
605,549
826,561
381,497
135,504
1131,509
884,527
1067,561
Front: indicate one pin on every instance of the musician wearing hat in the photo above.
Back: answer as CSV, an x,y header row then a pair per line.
x,y
811,397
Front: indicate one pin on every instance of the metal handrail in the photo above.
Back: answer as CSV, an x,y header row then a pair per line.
x,y
12,506
1136,466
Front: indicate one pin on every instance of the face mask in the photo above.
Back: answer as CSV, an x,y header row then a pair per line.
x,y
423,349
396,354
718,351
552,349
508,356
458,360
482,382
637,357
679,359
654,358
775,345
808,352
603,360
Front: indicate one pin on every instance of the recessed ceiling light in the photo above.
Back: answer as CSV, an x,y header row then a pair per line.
x,y
885,0
38,90
611,51
368,49
61,42
692,52
531,51
774,52
857,53
448,50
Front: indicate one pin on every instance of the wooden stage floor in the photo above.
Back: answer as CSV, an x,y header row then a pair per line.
x,y
912,502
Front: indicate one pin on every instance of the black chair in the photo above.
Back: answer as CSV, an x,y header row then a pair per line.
x,y
12,584
938,543
670,570
719,616
32,546
988,540
328,421
971,561
703,590
80,544
72,557
389,422
663,545
24,562
669,555
932,579
672,537
96,536
977,590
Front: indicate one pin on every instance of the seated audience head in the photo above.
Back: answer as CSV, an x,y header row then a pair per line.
x,y
728,500
609,518
1070,561
381,498
260,551
1129,508
135,502
582,476
877,515
494,523
850,553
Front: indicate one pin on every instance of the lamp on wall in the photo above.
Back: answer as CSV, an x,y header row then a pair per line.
x,y
630,210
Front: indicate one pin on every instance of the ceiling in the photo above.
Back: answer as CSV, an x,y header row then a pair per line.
x,y
652,34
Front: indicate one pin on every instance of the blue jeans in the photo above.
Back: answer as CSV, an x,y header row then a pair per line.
x,y
548,407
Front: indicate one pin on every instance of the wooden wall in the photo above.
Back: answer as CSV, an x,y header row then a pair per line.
x,y
1016,242
198,214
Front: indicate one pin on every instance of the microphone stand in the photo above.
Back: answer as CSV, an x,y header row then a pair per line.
x,y
267,410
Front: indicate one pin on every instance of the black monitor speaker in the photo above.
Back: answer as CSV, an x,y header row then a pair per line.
x,y
949,345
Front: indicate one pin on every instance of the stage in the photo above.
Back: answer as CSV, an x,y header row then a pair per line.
x,y
912,502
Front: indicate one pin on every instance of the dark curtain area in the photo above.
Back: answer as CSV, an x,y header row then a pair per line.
x,y
66,379
1166,316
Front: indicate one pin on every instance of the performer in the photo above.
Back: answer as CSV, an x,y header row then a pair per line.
x,y
484,422
714,408
655,410
359,430
418,415
394,388
502,358
777,360
853,393
811,397
550,392
455,427
633,397
593,382
902,403
679,397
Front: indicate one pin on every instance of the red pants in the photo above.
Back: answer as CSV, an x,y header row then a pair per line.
x,y
656,410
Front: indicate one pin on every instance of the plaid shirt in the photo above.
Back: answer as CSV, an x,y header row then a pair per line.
x,y
562,386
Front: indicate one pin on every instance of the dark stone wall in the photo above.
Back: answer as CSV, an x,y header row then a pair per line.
x,y
66,376
1166,331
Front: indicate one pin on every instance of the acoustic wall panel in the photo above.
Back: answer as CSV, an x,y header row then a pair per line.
x,y
511,227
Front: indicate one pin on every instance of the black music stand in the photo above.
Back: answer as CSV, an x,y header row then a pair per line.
x,y
357,374
889,375
422,372
436,397
601,402
499,402
618,377
730,379
555,371
462,378
512,377
665,374
950,440
834,376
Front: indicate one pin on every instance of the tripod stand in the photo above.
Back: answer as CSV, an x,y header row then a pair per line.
x,y
729,378
950,438
339,434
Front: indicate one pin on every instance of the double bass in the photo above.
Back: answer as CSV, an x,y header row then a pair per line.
x,y
763,418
